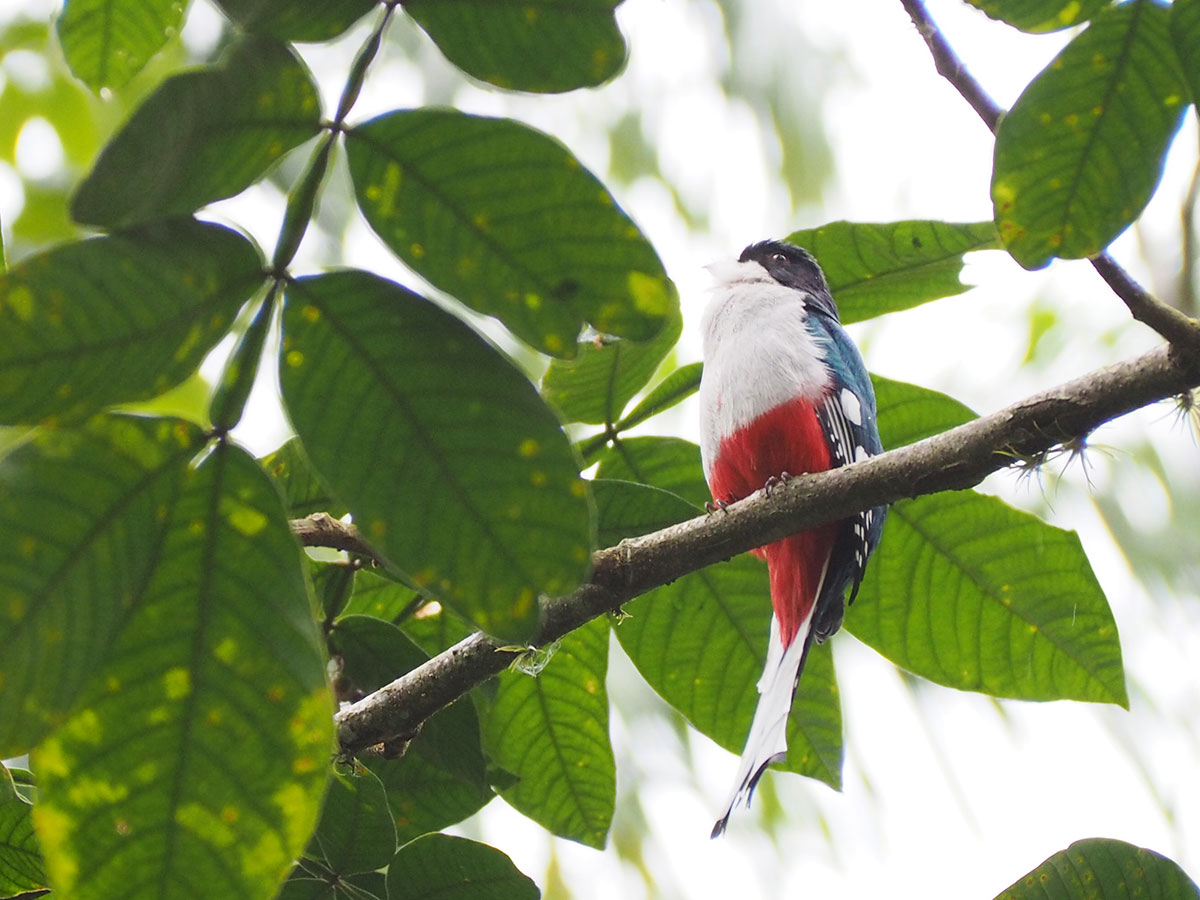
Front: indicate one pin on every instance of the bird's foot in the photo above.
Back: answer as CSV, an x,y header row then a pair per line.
x,y
774,481
713,505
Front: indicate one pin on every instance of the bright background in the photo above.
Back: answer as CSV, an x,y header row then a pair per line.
x,y
737,121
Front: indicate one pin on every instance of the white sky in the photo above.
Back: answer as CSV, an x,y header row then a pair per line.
x,y
945,796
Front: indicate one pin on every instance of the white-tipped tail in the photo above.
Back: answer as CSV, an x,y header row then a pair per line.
x,y
767,742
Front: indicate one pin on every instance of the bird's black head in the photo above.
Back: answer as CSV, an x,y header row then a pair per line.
x,y
793,267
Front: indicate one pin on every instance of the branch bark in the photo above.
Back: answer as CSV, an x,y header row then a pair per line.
x,y
957,459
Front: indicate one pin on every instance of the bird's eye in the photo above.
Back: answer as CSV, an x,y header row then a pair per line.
x,y
778,258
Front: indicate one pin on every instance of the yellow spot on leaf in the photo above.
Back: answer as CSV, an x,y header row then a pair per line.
x,y
226,650
295,359
417,251
524,603
20,300
553,343
578,488
229,815
650,294
538,478
243,518
1068,14
378,528
275,694
1171,100
531,15
310,313
27,546
177,683
533,301
529,448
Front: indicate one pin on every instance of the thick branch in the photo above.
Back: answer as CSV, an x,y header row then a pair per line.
x,y
1170,323
956,459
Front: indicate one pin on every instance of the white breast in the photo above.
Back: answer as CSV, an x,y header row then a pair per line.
x,y
758,353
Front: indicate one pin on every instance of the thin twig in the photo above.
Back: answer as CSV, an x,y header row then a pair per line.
x,y
1170,323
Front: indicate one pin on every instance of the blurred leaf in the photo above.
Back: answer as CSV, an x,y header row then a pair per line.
x,y
1100,867
356,832
877,269
453,466
505,219
673,389
1081,151
290,21
551,731
117,318
599,382
188,400
701,643
424,796
1185,34
436,628
380,597
302,490
967,592
80,512
21,867
215,649
106,42
908,413
376,653
623,511
557,45
441,866
312,881
203,136
671,464
1039,16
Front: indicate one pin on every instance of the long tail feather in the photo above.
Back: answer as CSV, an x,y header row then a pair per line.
x,y
767,742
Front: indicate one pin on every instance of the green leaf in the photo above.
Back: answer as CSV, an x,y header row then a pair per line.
x,y
379,597
80,511
505,219
424,796
908,413
302,489
1040,16
673,389
356,832
21,867
289,21
117,318
557,45
107,42
599,382
1101,867
701,643
454,468
626,509
1081,151
311,881
204,734
375,653
1185,34
877,269
671,464
202,136
440,866
551,731
967,592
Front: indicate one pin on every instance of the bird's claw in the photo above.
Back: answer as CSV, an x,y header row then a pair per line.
x,y
713,505
774,481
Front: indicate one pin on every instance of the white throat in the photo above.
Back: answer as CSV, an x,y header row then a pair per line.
x,y
758,353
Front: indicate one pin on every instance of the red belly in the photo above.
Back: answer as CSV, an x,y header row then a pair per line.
x,y
788,439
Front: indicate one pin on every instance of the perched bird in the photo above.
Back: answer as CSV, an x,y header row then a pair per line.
x,y
785,391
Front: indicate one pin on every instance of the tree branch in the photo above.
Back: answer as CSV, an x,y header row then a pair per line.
x,y
1170,323
953,460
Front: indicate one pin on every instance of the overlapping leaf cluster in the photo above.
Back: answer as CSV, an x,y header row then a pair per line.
x,y
163,658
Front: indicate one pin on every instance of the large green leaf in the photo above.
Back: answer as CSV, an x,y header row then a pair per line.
x,y
907,413
202,136
80,511
599,382
1185,33
202,739
1081,151
107,42
439,866
356,832
555,45
291,21
21,867
550,729
701,642
303,492
1038,16
972,594
454,468
877,269
1100,867
117,318
671,464
424,796
504,218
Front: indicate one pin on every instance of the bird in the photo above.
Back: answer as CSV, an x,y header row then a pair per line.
x,y
784,391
